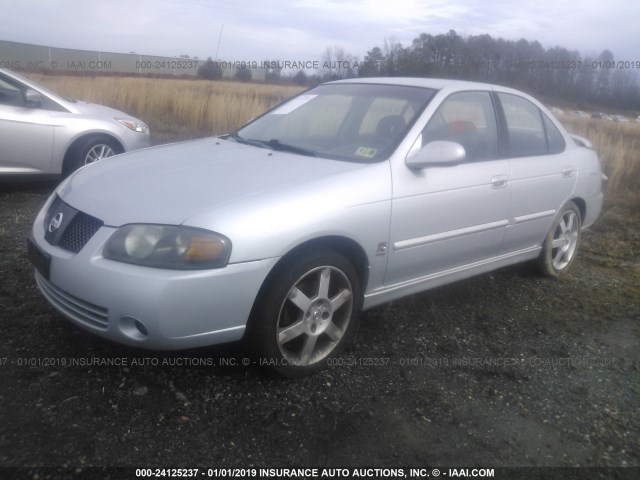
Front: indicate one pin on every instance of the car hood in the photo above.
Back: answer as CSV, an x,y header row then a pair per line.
x,y
93,109
171,183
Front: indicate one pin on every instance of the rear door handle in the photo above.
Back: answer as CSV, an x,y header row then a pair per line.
x,y
499,181
567,172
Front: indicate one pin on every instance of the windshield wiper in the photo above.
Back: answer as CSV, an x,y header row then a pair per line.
x,y
274,144
249,141
284,147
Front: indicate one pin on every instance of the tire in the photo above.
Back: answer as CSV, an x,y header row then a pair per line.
x,y
91,150
561,245
306,314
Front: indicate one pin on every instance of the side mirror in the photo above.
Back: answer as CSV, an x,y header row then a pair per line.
x,y
439,152
33,99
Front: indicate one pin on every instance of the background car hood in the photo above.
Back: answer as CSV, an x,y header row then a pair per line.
x,y
171,183
86,108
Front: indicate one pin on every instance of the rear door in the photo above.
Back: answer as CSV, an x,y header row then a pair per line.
x,y
543,176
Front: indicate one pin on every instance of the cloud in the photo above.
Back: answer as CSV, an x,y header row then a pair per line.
x,y
304,28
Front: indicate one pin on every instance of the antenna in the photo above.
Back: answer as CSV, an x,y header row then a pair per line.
x,y
219,40
206,105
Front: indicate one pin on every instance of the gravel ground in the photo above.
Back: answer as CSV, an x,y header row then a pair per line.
x,y
506,369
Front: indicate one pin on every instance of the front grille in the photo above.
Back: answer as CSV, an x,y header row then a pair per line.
x,y
79,232
68,228
79,310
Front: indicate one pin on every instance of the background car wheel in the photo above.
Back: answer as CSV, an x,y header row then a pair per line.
x,y
561,245
306,314
91,150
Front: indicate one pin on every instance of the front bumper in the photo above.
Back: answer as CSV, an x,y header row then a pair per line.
x,y
135,140
149,307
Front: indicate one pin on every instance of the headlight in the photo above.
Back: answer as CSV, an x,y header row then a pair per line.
x,y
163,246
133,125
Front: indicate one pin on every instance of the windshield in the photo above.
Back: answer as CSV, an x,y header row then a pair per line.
x,y
356,122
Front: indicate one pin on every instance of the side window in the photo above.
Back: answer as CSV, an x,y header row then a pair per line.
x,y
555,140
467,118
524,125
10,94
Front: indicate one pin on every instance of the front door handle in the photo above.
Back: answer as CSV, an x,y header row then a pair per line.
x,y
499,181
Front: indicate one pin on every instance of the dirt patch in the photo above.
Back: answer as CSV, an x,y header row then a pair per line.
x,y
506,369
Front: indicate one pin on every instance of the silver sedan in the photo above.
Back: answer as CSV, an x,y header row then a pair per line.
x,y
44,133
352,194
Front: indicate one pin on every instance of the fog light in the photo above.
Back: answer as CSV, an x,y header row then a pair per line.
x,y
132,327
141,328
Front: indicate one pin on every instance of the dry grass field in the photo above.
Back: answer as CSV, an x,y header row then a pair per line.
x,y
176,106
618,146
186,108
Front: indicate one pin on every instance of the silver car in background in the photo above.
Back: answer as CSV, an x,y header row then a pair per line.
x,y
352,194
45,133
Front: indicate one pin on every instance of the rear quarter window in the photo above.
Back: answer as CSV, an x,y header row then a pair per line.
x,y
555,140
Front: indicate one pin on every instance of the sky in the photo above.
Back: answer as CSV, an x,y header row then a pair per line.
x,y
301,30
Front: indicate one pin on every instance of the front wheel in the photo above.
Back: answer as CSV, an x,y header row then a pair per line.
x,y
91,150
561,245
307,314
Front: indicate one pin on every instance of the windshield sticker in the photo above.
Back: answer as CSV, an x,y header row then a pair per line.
x,y
366,152
293,104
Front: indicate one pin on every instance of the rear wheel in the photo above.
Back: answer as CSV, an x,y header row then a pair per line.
x,y
561,245
306,314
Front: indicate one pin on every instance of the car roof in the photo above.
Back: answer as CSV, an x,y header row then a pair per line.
x,y
444,86
435,83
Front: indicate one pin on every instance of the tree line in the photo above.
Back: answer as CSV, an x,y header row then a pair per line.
x,y
553,72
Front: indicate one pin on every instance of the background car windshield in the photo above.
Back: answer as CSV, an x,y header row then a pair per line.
x,y
359,122
10,94
43,89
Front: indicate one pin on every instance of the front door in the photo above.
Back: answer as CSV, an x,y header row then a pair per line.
x,y
447,217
